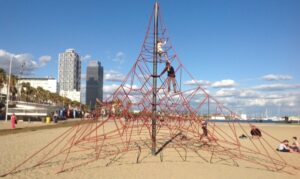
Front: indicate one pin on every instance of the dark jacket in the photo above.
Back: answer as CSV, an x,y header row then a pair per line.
x,y
171,72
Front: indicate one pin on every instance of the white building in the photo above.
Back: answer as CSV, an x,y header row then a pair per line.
x,y
3,90
243,116
49,83
72,95
69,71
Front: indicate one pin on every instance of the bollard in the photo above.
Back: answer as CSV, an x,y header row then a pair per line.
x,y
48,120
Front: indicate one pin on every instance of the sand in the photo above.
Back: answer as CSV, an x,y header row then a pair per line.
x,y
15,148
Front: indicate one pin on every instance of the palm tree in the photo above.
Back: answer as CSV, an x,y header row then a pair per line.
x,y
40,95
13,83
24,88
32,94
55,98
2,79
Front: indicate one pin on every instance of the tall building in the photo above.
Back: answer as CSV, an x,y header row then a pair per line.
x,y
94,83
69,72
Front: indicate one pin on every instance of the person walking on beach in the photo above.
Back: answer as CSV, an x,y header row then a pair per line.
x,y
204,130
13,121
55,117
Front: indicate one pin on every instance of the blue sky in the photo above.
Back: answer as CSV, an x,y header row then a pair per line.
x,y
253,43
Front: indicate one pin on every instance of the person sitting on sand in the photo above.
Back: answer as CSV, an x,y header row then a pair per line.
x,y
295,145
255,132
284,146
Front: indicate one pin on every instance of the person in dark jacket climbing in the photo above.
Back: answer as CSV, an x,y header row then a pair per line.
x,y
171,76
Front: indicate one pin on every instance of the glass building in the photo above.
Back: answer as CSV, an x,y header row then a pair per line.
x,y
94,83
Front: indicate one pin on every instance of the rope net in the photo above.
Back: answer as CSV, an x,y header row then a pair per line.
x,y
121,127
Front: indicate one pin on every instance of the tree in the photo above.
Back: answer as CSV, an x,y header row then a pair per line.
x,y
2,79
25,87
13,83
39,95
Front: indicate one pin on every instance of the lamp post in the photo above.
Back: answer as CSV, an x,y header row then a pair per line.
x,y
8,88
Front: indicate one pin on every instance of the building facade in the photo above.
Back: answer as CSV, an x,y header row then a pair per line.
x,y
49,84
94,83
72,95
69,71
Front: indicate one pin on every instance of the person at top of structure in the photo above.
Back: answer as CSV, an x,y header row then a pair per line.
x,y
160,44
171,76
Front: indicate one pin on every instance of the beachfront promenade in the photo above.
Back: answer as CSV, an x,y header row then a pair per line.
x,y
24,126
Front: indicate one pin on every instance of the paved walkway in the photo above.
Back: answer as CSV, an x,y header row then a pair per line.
x,y
24,126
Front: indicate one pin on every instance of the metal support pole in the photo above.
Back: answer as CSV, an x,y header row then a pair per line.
x,y
154,79
208,112
8,89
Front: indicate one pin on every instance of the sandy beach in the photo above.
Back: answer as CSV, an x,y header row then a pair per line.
x,y
176,163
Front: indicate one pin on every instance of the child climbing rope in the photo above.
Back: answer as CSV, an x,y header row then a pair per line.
x,y
160,44
171,76
160,51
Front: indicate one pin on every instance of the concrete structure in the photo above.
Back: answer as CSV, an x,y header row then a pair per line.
x,y
3,91
218,117
94,83
243,116
31,111
294,118
49,83
69,71
72,95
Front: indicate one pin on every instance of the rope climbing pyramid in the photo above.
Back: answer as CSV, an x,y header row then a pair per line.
x,y
154,114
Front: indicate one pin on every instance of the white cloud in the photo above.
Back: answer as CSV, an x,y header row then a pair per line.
x,y
248,93
224,84
109,89
112,75
119,57
276,87
272,77
227,92
197,82
86,57
257,102
21,63
44,60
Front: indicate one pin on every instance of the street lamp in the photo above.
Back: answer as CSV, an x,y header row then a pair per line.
x,y
8,88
